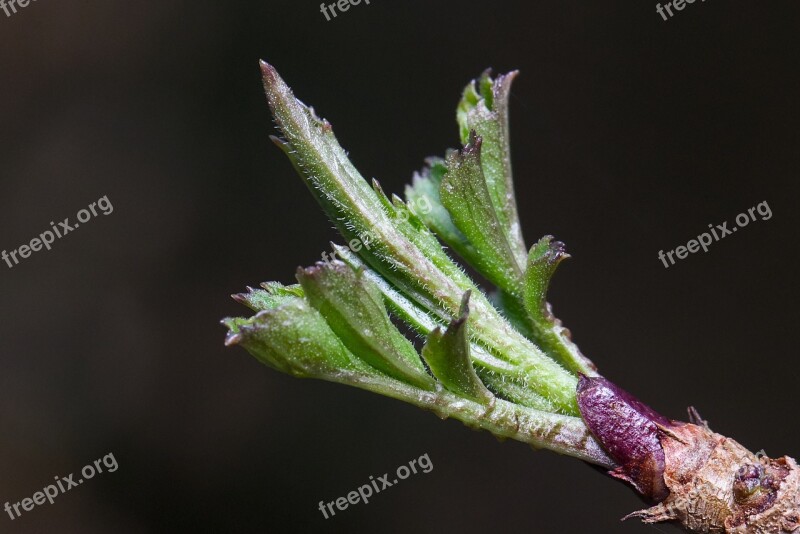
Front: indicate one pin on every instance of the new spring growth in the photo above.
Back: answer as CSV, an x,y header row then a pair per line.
x,y
504,364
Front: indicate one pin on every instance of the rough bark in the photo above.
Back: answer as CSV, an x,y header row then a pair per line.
x,y
718,486
701,480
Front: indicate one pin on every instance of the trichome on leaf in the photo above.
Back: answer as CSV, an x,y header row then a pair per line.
x,y
501,362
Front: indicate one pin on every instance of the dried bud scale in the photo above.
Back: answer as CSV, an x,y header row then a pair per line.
x,y
702,480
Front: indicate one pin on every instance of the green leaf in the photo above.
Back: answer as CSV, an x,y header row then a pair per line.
x,y
543,261
294,338
408,254
548,333
484,110
273,295
500,377
424,190
515,390
448,356
513,308
336,326
410,312
465,195
354,309
404,252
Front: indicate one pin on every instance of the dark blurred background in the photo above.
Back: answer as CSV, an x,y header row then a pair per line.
x,y
630,135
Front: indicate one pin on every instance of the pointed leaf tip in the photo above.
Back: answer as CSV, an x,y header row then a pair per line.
x,y
463,312
268,73
448,356
543,260
232,339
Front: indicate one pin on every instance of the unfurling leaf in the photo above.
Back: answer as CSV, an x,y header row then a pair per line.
x,y
424,188
465,194
543,260
402,250
447,354
294,338
271,296
354,309
547,331
484,110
